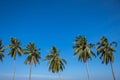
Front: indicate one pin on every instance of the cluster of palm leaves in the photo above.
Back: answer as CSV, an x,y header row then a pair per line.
x,y
33,55
105,50
56,63
1,51
83,50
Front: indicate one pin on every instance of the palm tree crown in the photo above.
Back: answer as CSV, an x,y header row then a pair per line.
x,y
56,63
83,49
106,50
33,56
1,51
33,53
15,47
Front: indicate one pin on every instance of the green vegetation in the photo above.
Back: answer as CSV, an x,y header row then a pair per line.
x,y
15,48
83,50
33,55
105,50
1,51
56,63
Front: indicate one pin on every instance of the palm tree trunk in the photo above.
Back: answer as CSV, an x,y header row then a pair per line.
x,y
112,71
30,69
59,75
87,70
14,69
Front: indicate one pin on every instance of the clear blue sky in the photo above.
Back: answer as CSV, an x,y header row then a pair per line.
x,y
58,22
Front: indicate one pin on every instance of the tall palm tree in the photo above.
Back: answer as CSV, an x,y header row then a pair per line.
x,y
15,48
1,51
106,50
33,56
83,51
56,63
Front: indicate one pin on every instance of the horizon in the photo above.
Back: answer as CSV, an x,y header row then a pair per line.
x,y
50,22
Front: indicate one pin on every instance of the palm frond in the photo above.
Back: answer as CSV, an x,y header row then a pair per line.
x,y
15,47
56,64
113,43
106,50
83,48
2,49
33,53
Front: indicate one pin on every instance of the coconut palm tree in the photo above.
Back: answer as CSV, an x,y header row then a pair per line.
x,y
33,56
1,51
15,48
106,50
83,51
56,63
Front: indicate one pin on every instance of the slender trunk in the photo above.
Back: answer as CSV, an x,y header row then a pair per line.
x,y
30,69
87,70
59,75
14,69
112,71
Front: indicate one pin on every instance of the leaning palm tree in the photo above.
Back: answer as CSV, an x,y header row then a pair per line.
x,y
105,50
15,48
83,51
1,51
33,56
56,63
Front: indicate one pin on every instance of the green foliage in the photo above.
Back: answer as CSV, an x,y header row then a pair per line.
x,y
1,51
56,63
15,48
105,50
33,54
83,49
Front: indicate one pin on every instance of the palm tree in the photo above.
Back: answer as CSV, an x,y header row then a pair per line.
x,y
83,51
1,51
33,56
56,63
105,50
15,48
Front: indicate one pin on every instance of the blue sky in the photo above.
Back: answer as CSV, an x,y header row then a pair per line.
x,y
58,22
